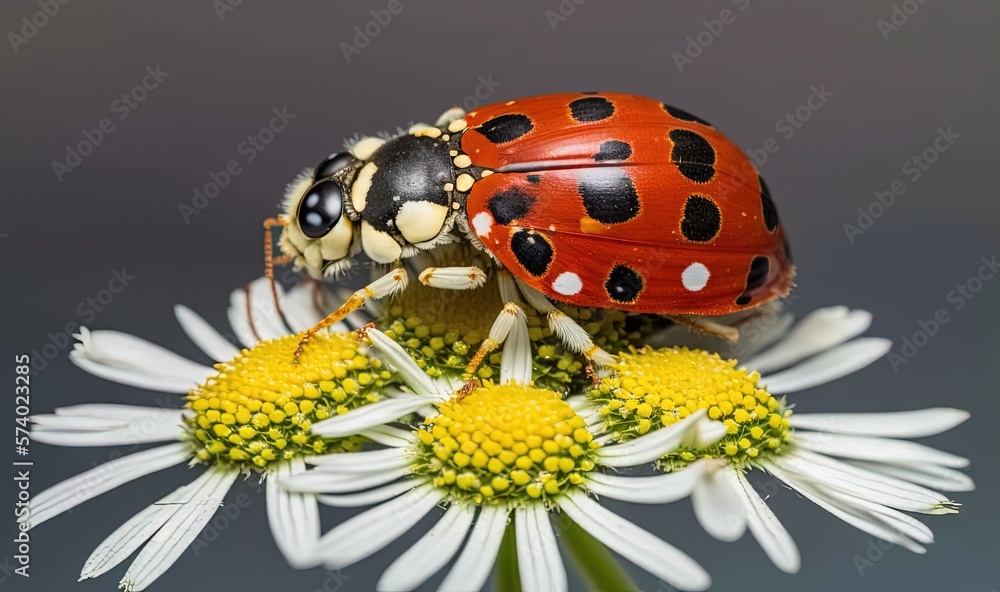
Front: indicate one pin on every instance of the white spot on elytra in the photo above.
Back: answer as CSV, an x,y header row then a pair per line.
x,y
567,284
482,224
695,277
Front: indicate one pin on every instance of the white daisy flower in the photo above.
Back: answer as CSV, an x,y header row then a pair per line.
x,y
250,413
851,464
492,453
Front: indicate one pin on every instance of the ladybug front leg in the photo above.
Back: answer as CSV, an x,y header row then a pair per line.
x,y
569,332
387,285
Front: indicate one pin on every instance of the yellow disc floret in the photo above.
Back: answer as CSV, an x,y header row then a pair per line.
x,y
260,406
649,389
505,444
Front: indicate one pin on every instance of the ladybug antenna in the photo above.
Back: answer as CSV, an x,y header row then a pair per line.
x,y
270,261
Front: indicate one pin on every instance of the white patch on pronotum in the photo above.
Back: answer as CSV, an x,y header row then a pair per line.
x,y
695,277
378,245
420,221
365,147
482,224
567,284
359,190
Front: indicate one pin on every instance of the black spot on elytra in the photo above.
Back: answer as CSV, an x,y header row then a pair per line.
x,y
591,109
613,150
702,219
624,284
770,211
506,128
756,277
684,115
532,250
509,205
534,178
693,155
608,195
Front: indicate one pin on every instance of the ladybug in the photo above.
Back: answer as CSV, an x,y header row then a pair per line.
x,y
601,200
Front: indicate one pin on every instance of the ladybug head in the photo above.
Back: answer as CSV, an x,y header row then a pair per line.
x,y
319,234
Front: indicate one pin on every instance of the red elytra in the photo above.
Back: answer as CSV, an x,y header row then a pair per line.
x,y
617,201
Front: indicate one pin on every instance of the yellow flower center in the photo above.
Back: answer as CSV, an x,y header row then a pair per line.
x,y
649,389
260,406
442,329
509,444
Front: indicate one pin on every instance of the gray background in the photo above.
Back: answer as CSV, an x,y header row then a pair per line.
x,y
119,208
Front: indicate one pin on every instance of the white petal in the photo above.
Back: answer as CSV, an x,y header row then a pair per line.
x,y
515,363
659,489
653,445
204,335
239,320
851,515
869,485
903,424
717,507
128,352
371,496
635,544
110,411
301,310
432,552
369,416
139,378
413,376
320,481
179,532
267,321
90,484
294,517
940,478
368,461
538,558
480,553
878,449
828,366
815,333
67,430
120,545
370,531
764,525
387,435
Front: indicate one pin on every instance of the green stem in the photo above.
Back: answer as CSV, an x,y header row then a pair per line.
x,y
508,576
597,565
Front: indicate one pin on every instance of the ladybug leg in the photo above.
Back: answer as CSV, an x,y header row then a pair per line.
x,y
706,326
453,114
387,285
498,333
453,278
569,332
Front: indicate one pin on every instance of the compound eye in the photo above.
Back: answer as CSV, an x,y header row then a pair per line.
x,y
320,209
332,164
